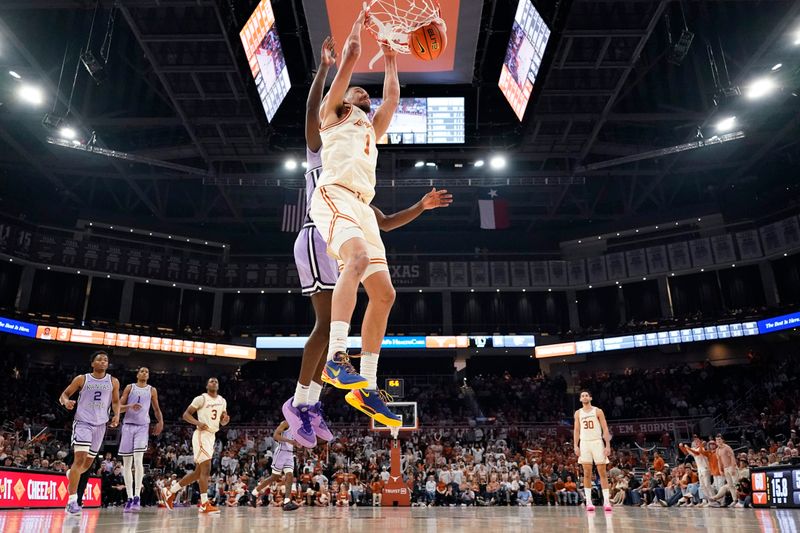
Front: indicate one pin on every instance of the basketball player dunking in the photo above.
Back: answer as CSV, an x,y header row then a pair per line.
x,y
318,273
590,431
340,209
136,401
282,465
212,412
96,393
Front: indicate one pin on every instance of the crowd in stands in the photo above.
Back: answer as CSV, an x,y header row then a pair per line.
x,y
452,460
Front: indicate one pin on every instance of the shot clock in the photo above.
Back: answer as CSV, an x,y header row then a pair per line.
x,y
776,486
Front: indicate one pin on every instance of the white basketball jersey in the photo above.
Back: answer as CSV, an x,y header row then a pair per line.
x,y
349,154
590,425
209,410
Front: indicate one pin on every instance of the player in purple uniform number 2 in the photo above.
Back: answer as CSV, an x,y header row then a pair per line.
x,y
96,393
318,273
136,401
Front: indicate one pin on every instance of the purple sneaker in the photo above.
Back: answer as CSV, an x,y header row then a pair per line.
x,y
299,419
318,422
128,505
73,509
136,505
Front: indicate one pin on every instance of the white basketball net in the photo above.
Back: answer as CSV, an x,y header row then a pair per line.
x,y
392,21
395,431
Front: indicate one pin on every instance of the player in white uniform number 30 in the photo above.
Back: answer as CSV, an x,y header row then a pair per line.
x,y
590,431
212,412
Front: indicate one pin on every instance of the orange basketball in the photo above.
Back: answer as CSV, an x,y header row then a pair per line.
x,y
428,42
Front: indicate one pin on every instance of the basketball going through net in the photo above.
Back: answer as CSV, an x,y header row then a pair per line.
x,y
392,21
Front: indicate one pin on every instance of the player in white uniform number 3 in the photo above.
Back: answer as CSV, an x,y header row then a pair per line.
x,y
212,412
590,431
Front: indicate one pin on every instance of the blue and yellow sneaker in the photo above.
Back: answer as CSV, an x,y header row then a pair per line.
x,y
373,404
340,373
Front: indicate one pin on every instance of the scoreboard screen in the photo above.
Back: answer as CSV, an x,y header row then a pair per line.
x,y
776,486
265,57
395,387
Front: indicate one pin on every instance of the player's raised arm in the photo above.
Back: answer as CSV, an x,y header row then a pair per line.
x,y
431,200
391,93
157,411
352,51
327,60
72,388
278,433
601,416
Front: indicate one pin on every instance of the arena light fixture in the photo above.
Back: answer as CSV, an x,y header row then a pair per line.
x,y
478,164
290,164
14,75
31,94
304,164
419,164
497,162
726,124
776,66
68,133
760,88
430,164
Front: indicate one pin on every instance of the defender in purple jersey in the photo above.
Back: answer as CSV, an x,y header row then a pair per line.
x,y
318,273
96,393
282,465
137,398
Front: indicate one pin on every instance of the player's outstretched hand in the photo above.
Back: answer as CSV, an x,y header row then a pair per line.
x,y
329,52
435,199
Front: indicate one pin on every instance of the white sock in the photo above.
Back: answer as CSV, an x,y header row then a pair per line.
x,y
127,475
314,390
605,497
369,369
300,395
73,498
338,342
204,498
588,494
138,473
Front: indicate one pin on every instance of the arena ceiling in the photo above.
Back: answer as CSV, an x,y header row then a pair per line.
x,y
593,148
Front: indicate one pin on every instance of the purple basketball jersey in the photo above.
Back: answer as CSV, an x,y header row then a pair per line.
x,y
314,165
94,400
283,447
142,396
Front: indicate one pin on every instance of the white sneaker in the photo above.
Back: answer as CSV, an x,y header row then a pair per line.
x,y
654,504
254,492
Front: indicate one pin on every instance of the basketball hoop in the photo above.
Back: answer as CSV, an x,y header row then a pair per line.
x,y
392,21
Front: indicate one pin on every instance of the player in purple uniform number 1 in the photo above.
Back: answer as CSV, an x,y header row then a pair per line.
x,y
318,273
96,393
136,401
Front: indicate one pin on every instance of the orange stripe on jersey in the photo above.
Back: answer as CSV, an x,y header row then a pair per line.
x,y
341,120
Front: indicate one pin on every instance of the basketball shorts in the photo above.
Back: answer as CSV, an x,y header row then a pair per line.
x,y
342,214
283,463
88,437
317,270
202,446
133,438
593,451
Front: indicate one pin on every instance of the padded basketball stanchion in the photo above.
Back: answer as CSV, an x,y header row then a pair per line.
x,y
395,493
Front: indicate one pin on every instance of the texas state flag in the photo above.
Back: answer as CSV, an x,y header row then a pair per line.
x,y
494,212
